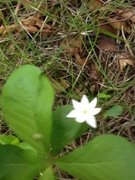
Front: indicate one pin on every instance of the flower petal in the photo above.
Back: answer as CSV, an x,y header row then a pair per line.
x,y
92,121
84,101
76,104
93,103
80,119
72,114
96,111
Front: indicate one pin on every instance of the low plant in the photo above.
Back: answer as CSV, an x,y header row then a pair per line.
x,y
41,134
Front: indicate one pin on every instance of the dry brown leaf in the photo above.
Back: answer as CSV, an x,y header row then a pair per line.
x,y
123,19
125,59
40,24
107,28
9,28
25,1
74,47
81,61
31,20
31,29
94,4
95,72
128,15
107,44
32,24
119,24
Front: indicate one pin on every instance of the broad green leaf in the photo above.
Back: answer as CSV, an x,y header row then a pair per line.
x,y
114,111
48,174
9,139
107,157
16,163
65,129
27,100
26,146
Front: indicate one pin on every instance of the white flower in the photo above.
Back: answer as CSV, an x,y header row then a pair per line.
x,y
85,111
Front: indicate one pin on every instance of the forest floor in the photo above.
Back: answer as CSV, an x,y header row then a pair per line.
x,y
84,47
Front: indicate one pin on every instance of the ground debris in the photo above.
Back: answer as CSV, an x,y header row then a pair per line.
x,y
125,59
107,44
32,24
74,46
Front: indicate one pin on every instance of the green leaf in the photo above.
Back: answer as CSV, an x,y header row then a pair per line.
x,y
114,111
104,96
65,129
27,100
16,163
107,157
26,146
48,174
9,139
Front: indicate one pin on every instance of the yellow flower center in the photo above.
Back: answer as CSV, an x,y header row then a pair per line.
x,y
85,111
